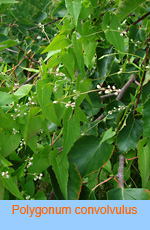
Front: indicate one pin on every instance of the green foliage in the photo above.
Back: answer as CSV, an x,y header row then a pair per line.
x,y
74,97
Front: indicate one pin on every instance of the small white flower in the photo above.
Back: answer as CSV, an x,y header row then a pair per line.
x,y
29,98
55,102
25,114
116,93
3,173
107,91
113,87
15,110
38,37
11,115
32,103
27,197
7,176
18,114
98,86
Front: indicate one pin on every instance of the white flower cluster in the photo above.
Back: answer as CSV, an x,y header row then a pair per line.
x,y
116,109
55,88
28,197
109,89
70,104
29,159
14,131
31,101
5,174
22,142
38,177
41,26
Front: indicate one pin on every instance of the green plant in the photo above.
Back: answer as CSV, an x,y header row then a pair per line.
x,y
74,117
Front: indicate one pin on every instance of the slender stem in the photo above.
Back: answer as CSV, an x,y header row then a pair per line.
x,y
120,174
29,79
142,81
125,87
140,19
36,27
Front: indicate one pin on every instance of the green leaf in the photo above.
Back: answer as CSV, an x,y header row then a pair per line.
x,y
9,143
126,7
74,183
5,162
60,167
31,70
40,16
41,161
146,120
82,87
44,91
6,122
20,171
127,194
12,187
74,7
89,46
68,59
55,184
87,194
40,196
112,32
104,63
129,136
6,98
8,1
108,134
23,91
71,130
6,44
144,160
1,190
89,154
31,126
54,112
77,44
59,42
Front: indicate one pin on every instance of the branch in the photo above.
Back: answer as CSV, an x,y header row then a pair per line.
x,y
120,95
125,87
36,27
120,174
143,17
27,57
29,79
12,51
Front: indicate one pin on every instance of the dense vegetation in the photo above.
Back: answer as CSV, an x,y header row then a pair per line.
x,y
75,99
